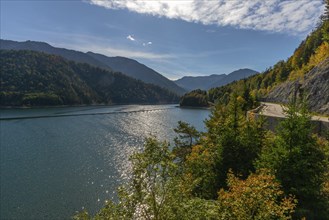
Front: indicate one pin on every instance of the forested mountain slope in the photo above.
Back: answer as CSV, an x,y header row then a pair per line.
x,y
124,65
34,78
310,53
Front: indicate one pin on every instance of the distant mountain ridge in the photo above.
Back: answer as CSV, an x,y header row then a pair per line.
x,y
234,76
127,66
137,70
207,82
31,78
73,55
198,82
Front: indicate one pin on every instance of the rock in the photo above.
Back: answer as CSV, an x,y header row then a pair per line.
x,y
315,86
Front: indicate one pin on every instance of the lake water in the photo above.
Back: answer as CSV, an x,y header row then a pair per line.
x,y
56,161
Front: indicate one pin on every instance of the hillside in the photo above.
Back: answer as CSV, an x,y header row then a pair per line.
x,y
137,70
310,54
315,86
124,65
35,79
207,82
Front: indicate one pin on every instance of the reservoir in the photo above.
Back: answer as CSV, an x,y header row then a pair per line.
x,y
56,161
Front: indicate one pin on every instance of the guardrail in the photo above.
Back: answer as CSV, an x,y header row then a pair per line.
x,y
319,127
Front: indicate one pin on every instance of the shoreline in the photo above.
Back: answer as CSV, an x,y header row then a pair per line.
x,y
82,105
89,107
196,107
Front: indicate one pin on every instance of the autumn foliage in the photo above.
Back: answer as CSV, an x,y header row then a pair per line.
x,y
257,197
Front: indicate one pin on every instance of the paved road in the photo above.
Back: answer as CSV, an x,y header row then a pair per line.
x,y
275,110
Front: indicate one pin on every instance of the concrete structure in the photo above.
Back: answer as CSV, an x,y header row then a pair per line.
x,y
274,114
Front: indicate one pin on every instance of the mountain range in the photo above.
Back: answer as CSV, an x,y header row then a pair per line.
x,y
131,67
207,82
124,65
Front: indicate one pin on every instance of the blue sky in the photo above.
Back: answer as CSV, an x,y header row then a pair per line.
x,y
174,37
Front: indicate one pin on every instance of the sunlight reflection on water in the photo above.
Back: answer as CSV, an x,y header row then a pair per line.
x,y
52,166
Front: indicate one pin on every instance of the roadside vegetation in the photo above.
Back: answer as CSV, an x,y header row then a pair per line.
x,y
235,170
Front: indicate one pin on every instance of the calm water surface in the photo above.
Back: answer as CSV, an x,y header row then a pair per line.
x,y
57,161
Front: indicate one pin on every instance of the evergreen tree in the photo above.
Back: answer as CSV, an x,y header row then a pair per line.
x,y
187,136
299,162
233,142
325,16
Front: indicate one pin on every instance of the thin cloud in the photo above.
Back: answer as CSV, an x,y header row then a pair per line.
x,y
111,51
211,31
147,44
129,37
100,45
283,16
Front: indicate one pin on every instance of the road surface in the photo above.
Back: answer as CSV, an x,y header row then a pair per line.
x,y
276,110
